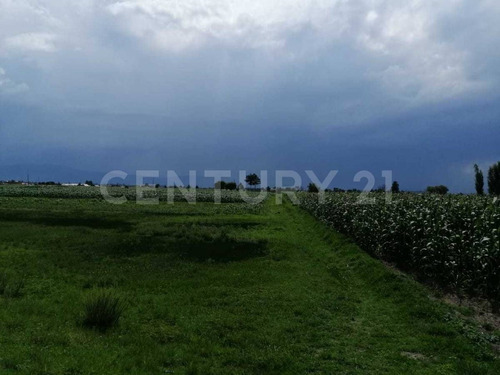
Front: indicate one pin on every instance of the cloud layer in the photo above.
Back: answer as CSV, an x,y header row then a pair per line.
x,y
319,66
404,48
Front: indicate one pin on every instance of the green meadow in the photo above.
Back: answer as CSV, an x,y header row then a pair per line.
x,y
87,287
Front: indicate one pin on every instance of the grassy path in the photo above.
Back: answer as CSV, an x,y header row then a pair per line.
x,y
309,302
371,320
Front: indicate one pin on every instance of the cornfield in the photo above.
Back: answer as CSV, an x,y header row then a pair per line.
x,y
130,193
451,240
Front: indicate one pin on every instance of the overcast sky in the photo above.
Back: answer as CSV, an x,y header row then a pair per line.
x,y
411,86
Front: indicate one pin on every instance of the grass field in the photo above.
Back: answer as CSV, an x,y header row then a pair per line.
x,y
214,289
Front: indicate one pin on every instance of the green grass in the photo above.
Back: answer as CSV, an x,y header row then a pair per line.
x,y
102,311
213,289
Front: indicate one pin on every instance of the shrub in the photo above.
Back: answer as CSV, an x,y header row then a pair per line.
x,y
102,310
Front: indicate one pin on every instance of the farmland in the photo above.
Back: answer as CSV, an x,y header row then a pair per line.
x,y
451,240
129,193
233,288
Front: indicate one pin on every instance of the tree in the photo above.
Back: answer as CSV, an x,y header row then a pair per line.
x,y
312,188
494,179
440,189
230,186
479,180
252,179
220,185
89,182
395,187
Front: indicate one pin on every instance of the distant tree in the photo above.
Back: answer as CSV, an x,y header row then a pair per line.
x,y
252,179
89,182
51,183
268,188
395,187
440,189
220,185
230,186
312,188
157,186
494,179
479,180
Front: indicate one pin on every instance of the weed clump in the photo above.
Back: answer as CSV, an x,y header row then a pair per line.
x,y
102,310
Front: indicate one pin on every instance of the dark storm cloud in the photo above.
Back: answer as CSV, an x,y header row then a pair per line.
x,y
309,85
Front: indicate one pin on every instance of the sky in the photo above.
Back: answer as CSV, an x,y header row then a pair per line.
x,y
100,85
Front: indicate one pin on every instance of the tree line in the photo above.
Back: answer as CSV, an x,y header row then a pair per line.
x,y
493,179
493,183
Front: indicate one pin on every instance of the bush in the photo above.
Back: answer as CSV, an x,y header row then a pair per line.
x,y
102,310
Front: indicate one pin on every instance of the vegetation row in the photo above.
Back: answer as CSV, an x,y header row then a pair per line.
x,y
451,240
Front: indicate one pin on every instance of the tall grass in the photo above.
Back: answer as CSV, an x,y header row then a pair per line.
x,y
102,310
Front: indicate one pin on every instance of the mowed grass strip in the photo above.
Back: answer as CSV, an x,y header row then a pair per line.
x,y
213,289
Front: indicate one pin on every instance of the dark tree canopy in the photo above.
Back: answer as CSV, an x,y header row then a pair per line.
x,y
395,187
225,185
252,179
312,188
440,189
494,179
231,186
220,185
479,180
